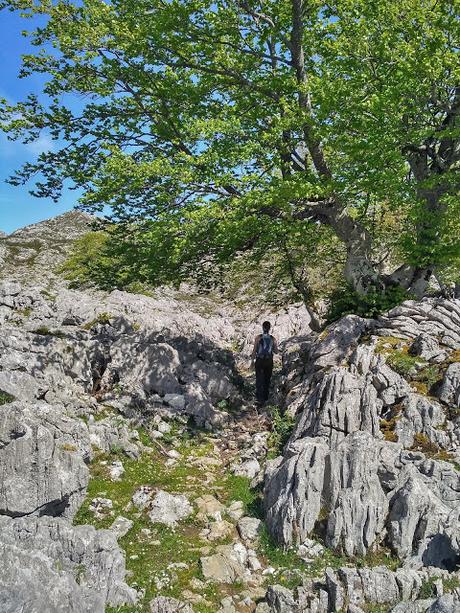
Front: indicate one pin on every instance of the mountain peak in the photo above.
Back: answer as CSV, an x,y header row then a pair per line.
x,y
38,249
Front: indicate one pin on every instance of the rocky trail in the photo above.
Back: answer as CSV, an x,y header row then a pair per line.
x,y
136,475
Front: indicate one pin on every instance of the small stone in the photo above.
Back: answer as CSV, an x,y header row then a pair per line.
x,y
249,528
248,469
121,526
236,510
168,509
217,530
100,507
209,506
116,470
163,427
142,497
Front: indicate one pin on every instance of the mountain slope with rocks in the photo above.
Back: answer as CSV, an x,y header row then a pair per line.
x,y
137,475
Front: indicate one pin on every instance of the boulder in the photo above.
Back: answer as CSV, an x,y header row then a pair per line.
x,y
49,565
43,454
168,508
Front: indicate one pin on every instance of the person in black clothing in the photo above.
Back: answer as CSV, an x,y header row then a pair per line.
x,y
264,347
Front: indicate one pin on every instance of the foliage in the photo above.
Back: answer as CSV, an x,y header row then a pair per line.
x,y
214,128
6,398
404,364
345,300
281,429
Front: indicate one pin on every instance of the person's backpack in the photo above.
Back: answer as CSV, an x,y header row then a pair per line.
x,y
265,347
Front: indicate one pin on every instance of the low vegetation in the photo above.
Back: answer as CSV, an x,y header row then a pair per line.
x,y
5,398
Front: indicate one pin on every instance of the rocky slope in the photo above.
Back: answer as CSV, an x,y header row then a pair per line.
x,y
136,475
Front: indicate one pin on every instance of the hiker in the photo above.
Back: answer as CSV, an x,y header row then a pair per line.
x,y
264,348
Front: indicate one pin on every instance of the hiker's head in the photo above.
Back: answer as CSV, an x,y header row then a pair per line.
x,y
266,327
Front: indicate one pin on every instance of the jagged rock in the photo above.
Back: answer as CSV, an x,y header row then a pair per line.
x,y
341,339
168,508
335,590
358,503
163,604
48,565
445,604
421,415
437,318
450,387
427,348
416,521
281,600
419,606
42,454
293,489
379,585
362,480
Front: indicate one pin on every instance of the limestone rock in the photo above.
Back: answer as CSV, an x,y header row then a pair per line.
x,y
168,508
281,599
358,503
227,565
48,565
450,388
42,454
163,604
249,528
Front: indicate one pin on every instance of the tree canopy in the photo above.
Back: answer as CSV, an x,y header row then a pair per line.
x,y
216,127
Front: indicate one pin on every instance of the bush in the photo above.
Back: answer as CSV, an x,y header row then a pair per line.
x,y
346,301
5,398
282,425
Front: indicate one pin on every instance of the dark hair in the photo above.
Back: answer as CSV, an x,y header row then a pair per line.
x,y
266,326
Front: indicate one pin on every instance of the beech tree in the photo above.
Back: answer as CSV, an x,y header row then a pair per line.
x,y
208,126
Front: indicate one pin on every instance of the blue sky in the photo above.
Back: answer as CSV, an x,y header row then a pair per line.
x,y
17,207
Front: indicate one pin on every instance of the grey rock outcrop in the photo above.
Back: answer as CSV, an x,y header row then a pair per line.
x,y
338,470
48,565
42,458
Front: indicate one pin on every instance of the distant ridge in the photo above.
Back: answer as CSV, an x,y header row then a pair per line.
x,y
35,251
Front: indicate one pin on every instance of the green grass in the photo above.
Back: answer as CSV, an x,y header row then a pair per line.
x,y
235,487
294,569
6,398
148,555
402,362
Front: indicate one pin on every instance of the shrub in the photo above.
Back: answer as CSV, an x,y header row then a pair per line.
x,y
346,301
6,398
282,425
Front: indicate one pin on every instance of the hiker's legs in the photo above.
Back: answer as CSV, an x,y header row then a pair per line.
x,y
260,380
268,369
